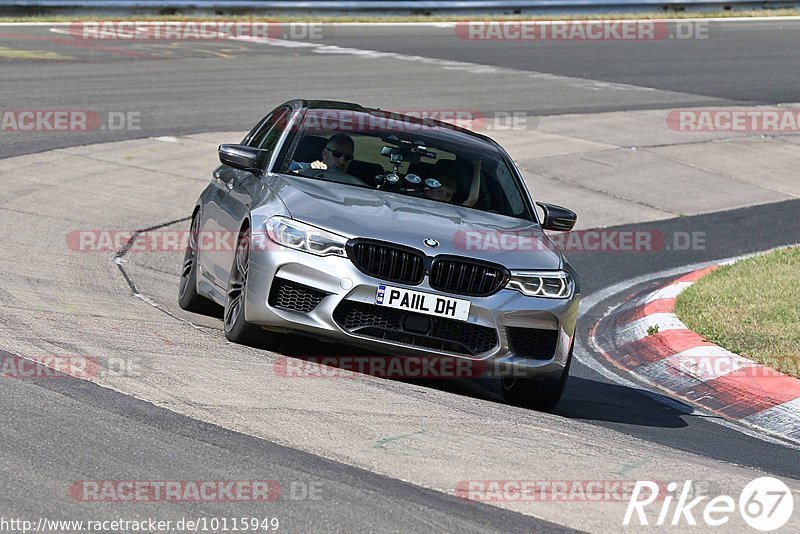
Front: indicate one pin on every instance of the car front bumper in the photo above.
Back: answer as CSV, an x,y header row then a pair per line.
x,y
505,312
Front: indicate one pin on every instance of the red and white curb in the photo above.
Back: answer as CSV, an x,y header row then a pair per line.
x,y
645,338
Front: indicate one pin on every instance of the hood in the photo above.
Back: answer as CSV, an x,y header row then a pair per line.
x,y
369,213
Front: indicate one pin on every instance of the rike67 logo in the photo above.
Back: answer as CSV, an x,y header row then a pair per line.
x,y
765,504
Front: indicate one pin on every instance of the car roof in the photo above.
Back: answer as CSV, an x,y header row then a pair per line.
x,y
444,129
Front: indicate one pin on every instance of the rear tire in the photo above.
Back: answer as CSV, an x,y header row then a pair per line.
x,y
542,395
188,297
236,328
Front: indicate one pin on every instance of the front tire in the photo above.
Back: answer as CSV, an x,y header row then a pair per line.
x,y
237,329
188,297
542,395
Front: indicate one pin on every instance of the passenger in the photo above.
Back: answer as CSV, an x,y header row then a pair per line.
x,y
337,155
444,193
454,173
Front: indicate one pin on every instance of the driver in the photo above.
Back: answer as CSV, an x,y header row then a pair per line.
x,y
337,155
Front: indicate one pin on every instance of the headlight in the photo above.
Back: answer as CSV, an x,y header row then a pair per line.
x,y
547,284
302,236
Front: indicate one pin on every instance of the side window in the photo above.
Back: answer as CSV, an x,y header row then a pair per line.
x,y
261,131
270,130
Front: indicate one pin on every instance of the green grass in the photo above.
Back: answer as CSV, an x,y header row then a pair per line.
x,y
413,18
751,308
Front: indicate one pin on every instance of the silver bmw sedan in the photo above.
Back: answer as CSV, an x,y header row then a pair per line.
x,y
404,235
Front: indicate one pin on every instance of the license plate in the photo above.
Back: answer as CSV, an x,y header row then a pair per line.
x,y
426,303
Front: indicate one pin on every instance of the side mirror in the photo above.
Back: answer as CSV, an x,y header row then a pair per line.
x,y
242,157
557,218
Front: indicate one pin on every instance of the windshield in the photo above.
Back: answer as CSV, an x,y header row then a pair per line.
x,y
428,162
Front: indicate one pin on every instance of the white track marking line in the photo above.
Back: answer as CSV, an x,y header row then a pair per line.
x,y
475,68
319,48
668,292
787,413
641,328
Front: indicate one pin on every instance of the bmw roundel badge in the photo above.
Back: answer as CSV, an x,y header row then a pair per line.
x,y
431,243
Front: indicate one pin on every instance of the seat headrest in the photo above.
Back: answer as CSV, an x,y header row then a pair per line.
x,y
457,169
365,170
309,149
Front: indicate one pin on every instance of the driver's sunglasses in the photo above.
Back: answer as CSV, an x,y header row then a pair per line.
x,y
338,154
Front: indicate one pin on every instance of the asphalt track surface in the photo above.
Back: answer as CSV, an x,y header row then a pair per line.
x,y
171,83
56,431
718,60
